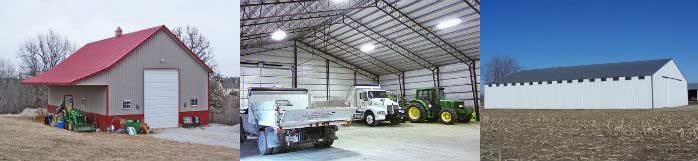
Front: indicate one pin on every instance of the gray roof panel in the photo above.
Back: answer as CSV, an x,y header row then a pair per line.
x,y
693,86
609,70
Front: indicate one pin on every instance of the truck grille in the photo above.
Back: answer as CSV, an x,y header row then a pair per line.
x,y
392,109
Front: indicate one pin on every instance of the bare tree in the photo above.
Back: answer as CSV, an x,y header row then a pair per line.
x,y
197,42
42,53
7,69
500,67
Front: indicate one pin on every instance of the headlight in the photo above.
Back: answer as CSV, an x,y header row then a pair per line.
x,y
429,105
381,112
461,106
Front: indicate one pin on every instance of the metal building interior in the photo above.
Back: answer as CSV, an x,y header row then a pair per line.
x,y
400,44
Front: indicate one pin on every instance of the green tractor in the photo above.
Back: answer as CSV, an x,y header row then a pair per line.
x,y
75,119
430,104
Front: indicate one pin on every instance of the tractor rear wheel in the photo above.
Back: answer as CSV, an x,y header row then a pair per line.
x,y
448,116
416,113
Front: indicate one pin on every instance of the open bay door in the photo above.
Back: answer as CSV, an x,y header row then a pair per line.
x,y
161,97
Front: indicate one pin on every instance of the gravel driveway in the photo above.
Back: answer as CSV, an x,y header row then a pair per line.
x,y
213,134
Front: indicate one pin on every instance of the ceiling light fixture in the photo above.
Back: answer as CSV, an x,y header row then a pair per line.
x,y
278,35
448,23
367,47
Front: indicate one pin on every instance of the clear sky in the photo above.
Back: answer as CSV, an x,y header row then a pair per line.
x,y
84,21
548,33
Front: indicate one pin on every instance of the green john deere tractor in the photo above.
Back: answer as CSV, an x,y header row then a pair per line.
x,y
430,104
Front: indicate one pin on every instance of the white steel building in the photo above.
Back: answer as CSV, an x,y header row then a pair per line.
x,y
627,85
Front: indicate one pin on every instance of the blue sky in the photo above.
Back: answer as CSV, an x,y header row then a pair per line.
x,y
548,33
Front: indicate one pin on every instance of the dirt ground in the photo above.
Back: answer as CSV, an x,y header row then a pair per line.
x,y
23,139
659,134
410,141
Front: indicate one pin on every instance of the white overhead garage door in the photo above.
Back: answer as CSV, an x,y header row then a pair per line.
x,y
161,97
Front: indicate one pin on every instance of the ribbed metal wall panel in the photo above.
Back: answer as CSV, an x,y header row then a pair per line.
x,y
455,78
669,87
95,97
125,79
652,92
312,74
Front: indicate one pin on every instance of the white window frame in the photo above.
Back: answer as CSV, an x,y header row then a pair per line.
x,y
191,102
126,104
83,101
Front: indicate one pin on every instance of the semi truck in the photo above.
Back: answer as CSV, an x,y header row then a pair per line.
x,y
285,117
374,105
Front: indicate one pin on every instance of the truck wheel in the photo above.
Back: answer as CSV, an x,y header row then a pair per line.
x,y
324,144
448,116
370,119
262,144
243,135
416,113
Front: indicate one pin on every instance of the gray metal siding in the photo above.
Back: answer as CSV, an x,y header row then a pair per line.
x,y
95,97
125,79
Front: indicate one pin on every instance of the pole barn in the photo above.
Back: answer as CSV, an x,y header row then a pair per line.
x,y
627,85
147,75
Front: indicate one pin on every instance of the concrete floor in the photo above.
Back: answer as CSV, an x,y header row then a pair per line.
x,y
409,141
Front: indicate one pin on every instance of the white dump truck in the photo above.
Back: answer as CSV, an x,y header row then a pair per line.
x,y
283,117
373,105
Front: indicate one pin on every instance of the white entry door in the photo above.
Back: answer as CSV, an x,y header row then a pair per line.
x,y
161,97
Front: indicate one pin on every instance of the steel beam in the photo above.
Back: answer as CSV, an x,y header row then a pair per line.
x,y
474,4
377,37
315,51
474,86
295,66
396,14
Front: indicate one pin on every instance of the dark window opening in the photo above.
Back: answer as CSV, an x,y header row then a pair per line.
x,y
522,83
628,78
616,78
540,82
530,83
569,81
550,82
580,80
603,79
559,81
641,77
592,80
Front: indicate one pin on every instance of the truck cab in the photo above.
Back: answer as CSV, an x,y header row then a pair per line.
x,y
374,105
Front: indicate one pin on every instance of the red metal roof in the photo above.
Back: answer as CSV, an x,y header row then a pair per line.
x,y
100,56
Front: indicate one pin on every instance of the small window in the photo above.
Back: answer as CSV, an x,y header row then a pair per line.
x,y
522,83
505,84
126,104
580,80
489,85
616,78
540,82
513,84
530,83
592,80
628,78
194,102
569,81
497,85
559,81
641,77
603,79
83,102
550,82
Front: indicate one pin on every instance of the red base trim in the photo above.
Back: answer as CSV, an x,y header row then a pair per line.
x,y
51,108
104,121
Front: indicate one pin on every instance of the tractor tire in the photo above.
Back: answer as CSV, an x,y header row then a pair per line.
x,y
262,144
70,125
467,118
447,116
243,135
416,113
370,119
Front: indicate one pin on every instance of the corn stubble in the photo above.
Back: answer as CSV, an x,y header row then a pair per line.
x,y
659,134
